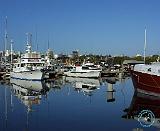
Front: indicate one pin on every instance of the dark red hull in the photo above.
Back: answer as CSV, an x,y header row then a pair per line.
x,y
146,83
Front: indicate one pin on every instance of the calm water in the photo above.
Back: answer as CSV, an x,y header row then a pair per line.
x,y
68,104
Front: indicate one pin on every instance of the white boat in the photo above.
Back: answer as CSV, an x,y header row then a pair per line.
x,y
29,66
84,72
27,74
92,66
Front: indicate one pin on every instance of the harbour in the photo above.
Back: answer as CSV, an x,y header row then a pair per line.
x,y
75,90
79,65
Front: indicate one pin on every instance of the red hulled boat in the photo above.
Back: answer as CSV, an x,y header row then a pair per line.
x,y
146,78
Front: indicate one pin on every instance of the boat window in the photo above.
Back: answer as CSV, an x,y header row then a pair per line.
x,y
22,65
74,69
158,71
85,68
149,69
69,68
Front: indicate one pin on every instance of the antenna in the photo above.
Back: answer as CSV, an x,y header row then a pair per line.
x,y
30,39
36,41
145,44
27,34
48,44
48,41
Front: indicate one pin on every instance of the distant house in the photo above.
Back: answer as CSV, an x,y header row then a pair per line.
x,y
132,62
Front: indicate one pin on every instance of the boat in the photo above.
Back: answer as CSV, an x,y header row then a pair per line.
x,y
143,105
146,78
83,72
92,66
29,67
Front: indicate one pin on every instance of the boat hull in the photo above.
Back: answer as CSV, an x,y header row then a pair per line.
x,y
91,74
36,75
146,83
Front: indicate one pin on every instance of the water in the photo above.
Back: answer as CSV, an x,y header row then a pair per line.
x,y
67,104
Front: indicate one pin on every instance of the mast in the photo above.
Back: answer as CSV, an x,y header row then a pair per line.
x,y
5,40
145,44
29,35
36,41
11,53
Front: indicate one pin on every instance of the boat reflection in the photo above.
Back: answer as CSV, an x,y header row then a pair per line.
x,y
56,84
86,85
142,102
29,92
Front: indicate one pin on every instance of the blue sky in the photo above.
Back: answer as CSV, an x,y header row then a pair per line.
x,y
92,26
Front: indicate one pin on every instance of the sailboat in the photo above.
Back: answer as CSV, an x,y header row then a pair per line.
x,y
146,77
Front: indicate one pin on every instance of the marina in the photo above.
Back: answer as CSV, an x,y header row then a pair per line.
x,y
79,65
77,90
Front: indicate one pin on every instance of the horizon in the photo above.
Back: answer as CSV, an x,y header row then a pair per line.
x,y
92,26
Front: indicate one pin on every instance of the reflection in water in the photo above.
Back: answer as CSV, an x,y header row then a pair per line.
x,y
110,82
142,102
47,105
29,92
86,85
55,84
110,93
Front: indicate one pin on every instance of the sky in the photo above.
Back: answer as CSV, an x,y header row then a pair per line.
x,y
113,27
